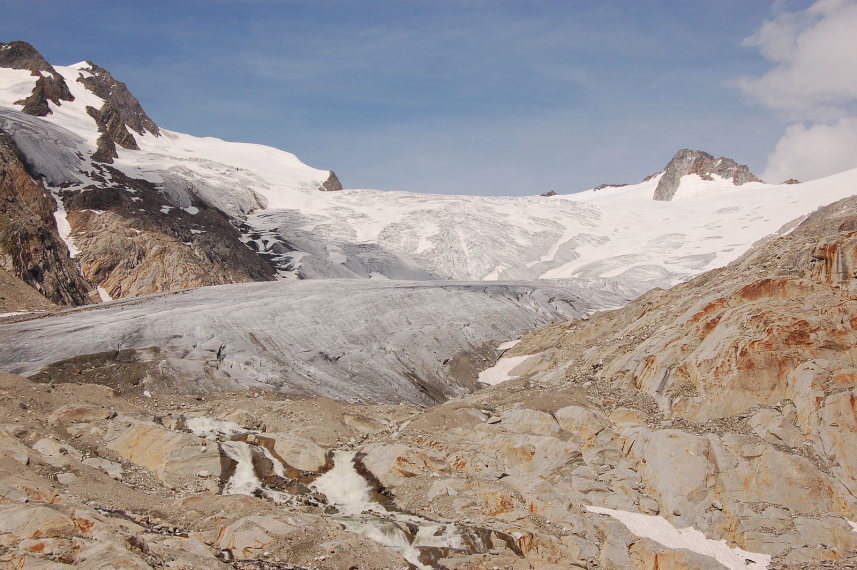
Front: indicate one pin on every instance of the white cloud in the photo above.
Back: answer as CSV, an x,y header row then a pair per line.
x,y
815,52
814,83
809,152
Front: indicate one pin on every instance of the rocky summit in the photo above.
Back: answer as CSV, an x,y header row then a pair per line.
x,y
706,167
215,357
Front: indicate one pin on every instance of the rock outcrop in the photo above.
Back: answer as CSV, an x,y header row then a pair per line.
x,y
50,85
133,244
120,112
704,165
30,245
332,184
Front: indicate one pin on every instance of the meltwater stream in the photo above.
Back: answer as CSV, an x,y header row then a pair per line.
x,y
418,540
349,492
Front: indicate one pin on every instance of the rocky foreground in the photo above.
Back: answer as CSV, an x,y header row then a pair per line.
x,y
726,404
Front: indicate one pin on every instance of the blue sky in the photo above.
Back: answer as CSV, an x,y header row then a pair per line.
x,y
477,97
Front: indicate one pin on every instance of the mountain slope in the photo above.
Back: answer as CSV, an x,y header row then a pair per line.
x,y
127,235
182,211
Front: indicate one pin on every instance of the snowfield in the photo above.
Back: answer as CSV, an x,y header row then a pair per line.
x,y
614,232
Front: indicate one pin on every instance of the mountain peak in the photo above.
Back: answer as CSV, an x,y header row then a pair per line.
x,y
21,55
121,111
50,85
687,161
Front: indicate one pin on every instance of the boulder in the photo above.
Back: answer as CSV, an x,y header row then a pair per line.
x,y
166,453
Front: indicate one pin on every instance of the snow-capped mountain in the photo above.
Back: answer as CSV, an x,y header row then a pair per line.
x,y
144,209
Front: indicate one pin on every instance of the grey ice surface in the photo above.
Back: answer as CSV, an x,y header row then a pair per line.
x,y
50,150
348,339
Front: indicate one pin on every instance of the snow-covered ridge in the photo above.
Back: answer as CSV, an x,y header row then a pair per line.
x,y
614,232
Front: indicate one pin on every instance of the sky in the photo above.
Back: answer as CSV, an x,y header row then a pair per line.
x,y
492,97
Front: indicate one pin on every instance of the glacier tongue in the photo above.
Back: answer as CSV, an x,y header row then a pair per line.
x,y
388,341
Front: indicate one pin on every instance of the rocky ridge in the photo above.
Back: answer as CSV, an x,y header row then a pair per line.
x,y
121,111
50,85
687,162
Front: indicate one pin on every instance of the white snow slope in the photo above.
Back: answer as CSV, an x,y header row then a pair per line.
x,y
613,232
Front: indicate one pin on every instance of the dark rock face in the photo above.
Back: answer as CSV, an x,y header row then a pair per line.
x,y
332,184
133,239
603,186
548,194
116,93
121,111
688,161
30,247
50,85
132,244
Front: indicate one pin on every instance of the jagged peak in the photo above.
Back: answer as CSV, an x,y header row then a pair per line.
x,y
332,184
688,161
101,82
21,55
50,85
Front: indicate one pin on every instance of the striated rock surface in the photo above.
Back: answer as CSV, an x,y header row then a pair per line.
x,y
705,166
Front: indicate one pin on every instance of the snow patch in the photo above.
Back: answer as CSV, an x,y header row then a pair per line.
x,y
202,426
502,370
20,313
63,227
661,531
105,296
508,344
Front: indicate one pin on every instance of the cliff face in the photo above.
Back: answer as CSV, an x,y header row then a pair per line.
x,y
30,245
